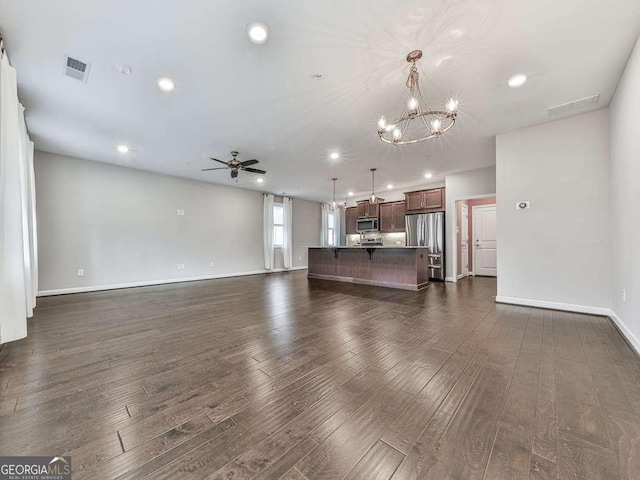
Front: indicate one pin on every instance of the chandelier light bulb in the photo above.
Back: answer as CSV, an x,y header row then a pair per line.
x,y
382,123
436,124
334,204
372,198
397,134
413,104
452,105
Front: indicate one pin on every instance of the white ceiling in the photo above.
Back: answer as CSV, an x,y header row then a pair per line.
x,y
264,101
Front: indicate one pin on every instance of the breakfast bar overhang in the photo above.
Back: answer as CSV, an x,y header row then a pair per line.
x,y
405,268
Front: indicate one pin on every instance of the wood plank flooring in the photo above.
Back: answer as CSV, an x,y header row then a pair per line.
x,y
278,376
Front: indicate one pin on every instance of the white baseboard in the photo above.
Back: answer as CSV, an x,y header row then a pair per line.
x,y
626,333
568,307
97,288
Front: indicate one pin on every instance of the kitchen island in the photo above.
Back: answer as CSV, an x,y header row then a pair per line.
x,y
394,267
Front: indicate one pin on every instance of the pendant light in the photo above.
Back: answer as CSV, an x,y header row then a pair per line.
x,y
373,199
334,204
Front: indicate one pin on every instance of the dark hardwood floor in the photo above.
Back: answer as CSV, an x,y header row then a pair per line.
x,y
277,376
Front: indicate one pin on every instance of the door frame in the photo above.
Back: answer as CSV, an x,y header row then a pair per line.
x,y
451,207
459,230
473,228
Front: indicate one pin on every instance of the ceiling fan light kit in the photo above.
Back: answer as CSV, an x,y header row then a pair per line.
x,y
418,122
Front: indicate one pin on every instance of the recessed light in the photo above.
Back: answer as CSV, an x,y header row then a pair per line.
x,y
334,155
350,194
258,32
260,180
428,175
123,149
389,186
166,84
517,80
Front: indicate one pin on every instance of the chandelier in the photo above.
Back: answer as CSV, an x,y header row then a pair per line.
x,y
417,122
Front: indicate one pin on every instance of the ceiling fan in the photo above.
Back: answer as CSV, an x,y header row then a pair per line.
x,y
236,165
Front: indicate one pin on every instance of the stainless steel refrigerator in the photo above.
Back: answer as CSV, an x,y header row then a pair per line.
x,y
427,230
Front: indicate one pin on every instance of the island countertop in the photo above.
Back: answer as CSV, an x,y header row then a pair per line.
x,y
400,266
367,246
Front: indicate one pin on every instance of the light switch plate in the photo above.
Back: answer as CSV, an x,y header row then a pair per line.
x,y
81,272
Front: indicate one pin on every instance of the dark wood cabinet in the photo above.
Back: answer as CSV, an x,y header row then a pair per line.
x,y
433,199
368,210
425,201
386,217
399,212
392,217
351,217
414,201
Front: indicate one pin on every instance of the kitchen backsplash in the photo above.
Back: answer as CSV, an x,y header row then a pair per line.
x,y
388,239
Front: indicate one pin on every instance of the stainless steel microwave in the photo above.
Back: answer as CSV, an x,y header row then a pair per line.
x,y
367,225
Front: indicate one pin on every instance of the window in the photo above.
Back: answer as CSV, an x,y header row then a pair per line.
x,y
331,229
278,225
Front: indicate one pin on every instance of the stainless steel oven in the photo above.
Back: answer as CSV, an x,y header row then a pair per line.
x,y
364,225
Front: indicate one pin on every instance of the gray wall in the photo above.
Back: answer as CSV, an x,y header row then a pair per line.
x,y
120,225
625,190
459,186
559,250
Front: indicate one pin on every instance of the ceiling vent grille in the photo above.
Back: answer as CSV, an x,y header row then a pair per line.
x,y
75,68
575,105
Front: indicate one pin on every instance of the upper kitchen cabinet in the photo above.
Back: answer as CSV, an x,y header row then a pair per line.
x,y
392,217
368,210
351,217
425,201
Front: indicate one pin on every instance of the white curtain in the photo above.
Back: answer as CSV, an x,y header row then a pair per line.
x,y
18,247
269,251
324,235
287,250
337,219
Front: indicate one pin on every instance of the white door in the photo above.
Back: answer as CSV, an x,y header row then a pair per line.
x,y
464,240
485,245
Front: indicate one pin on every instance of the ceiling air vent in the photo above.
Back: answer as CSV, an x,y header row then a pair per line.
x,y
75,68
575,105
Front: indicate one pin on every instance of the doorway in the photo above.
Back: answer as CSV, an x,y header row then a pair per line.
x,y
485,242
476,242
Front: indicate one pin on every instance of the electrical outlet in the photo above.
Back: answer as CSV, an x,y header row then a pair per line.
x,y
81,272
211,264
624,295
398,242
180,266
180,213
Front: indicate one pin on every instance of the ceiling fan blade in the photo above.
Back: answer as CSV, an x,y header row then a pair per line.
x,y
216,160
217,168
246,163
234,173
253,170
